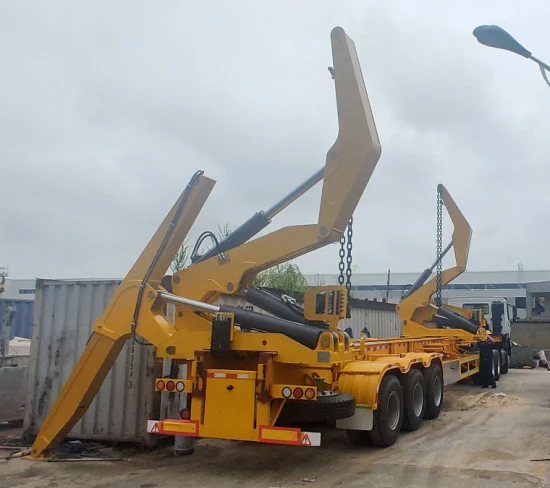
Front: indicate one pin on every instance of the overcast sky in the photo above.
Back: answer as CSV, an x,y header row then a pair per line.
x,y
108,108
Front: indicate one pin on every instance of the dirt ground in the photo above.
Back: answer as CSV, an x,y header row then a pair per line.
x,y
480,440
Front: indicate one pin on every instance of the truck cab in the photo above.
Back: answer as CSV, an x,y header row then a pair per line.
x,y
497,311
499,314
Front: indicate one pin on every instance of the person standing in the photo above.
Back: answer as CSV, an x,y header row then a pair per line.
x,y
486,363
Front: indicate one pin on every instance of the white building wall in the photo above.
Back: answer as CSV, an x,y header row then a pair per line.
x,y
508,284
19,289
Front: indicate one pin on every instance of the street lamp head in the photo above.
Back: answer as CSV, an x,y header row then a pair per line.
x,y
495,36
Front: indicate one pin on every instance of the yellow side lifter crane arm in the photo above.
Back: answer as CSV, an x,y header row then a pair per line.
x,y
416,310
138,305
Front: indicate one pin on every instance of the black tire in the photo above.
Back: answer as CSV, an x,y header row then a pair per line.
x,y
414,396
496,364
388,417
505,366
359,438
434,391
324,409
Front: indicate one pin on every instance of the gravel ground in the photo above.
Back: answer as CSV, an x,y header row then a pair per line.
x,y
480,440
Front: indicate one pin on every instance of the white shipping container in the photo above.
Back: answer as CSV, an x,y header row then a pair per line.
x,y
380,322
63,318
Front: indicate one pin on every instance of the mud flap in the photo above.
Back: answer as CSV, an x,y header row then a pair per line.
x,y
363,419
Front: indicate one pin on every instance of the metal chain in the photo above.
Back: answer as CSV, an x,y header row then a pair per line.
x,y
439,246
132,356
348,257
342,256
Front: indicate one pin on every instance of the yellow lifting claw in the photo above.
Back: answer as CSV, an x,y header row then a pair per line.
x,y
416,309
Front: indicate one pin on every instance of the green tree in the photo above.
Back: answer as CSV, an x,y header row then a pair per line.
x,y
286,276
181,259
224,231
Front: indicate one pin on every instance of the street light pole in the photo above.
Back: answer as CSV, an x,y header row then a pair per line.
x,y
497,37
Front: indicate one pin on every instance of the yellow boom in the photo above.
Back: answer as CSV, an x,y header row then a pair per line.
x,y
416,309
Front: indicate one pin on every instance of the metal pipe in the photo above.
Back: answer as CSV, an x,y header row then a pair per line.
x,y
189,302
260,220
445,251
540,63
304,334
457,321
418,283
273,305
427,273
295,194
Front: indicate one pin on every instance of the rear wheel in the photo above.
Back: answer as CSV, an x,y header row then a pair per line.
x,y
434,391
505,362
496,364
414,388
388,417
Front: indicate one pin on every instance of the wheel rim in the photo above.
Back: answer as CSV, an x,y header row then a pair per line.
x,y
438,391
394,410
418,399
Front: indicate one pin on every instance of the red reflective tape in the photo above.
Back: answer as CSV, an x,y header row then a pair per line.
x,y
215,375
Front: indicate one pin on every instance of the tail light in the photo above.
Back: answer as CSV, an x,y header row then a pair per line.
x,y
170,385
298,393
185,414
160,385
310,393
287,392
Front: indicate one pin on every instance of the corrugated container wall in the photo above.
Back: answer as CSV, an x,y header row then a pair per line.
x,y
380,323
21,323
64,314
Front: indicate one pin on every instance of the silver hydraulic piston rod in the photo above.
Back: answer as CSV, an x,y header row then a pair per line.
x,y
261,219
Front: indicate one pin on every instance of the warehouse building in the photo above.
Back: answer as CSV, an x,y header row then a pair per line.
x,y
19,289
511,285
